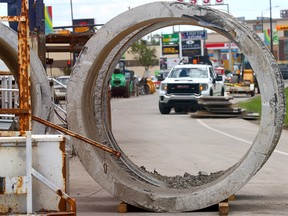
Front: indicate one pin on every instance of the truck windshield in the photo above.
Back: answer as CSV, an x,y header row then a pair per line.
x,y
189,72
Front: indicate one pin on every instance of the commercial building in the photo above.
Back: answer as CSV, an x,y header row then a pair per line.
x,y
218,46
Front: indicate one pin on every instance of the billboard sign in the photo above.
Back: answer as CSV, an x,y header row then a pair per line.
x,y
191,44
169,50
191,52
83,25
194,35
219,2
206,2
169,39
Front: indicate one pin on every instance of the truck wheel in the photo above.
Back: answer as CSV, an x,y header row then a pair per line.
x,y
164,109
211,93
222,92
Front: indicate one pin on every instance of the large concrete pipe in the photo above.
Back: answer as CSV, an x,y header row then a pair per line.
x,y
40,90
87,107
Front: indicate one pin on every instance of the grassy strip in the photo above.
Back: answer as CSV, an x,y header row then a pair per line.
x,y
254,105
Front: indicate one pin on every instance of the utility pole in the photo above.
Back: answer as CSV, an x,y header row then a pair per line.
x,y
271,30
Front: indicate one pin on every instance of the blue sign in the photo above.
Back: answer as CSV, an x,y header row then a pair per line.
x,y
194,35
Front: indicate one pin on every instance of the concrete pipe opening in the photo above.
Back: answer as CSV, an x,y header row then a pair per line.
x,y
40,90
87,105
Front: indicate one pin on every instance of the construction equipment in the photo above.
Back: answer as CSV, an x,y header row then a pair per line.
x,y
146,86
122,81
243,79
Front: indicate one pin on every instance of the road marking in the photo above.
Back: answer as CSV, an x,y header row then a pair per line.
x,y
280,152
234,137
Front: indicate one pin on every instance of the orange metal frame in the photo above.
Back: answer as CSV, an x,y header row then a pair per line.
x,y
24,84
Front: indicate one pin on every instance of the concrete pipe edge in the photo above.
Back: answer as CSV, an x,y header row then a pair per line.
x,y
89,83
40,90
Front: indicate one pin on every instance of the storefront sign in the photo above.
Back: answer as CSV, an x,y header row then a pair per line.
x,y
206,2
169,50
191,52
168,39
194,35
191,44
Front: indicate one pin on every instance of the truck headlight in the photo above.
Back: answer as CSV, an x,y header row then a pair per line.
x,y
203,87
163,87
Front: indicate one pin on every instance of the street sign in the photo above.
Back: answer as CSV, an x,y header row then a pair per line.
x,y
194,35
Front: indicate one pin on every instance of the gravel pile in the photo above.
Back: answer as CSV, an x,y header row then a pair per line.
x,y
187,180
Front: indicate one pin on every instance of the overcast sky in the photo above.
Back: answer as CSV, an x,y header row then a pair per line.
x,y
104,10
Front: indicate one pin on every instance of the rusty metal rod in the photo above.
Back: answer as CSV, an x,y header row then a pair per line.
x,y
24,69
14,111
77,136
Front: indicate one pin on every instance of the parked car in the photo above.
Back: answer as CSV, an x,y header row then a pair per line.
x,y
60,85
186,84
162,75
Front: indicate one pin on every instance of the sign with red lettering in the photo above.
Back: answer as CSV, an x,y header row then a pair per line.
x,y
218,2
206,2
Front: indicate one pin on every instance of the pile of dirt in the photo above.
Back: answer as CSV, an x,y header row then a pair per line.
x,y
187,180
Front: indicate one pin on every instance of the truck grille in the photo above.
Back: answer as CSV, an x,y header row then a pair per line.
x,y
183,88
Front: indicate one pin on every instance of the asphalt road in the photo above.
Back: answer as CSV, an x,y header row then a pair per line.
x,y
176,143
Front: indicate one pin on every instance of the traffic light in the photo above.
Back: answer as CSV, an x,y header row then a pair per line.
x,y
68,63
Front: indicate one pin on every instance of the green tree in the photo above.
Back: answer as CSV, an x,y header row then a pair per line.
x,y
143,53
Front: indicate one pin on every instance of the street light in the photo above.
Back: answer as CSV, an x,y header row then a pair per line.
x,y
271,30
72,18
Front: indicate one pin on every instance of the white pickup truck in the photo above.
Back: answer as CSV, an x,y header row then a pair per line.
x,y
186,84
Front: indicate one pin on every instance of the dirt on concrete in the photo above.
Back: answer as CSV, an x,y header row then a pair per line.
x,y
187,180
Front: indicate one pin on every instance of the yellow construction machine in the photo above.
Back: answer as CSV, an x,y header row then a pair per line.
x,y
243,78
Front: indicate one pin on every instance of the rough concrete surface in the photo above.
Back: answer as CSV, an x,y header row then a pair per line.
x,y
265,194
89,82
40,89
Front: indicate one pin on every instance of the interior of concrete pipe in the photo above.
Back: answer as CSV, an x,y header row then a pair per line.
x,y
87,105
40,90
